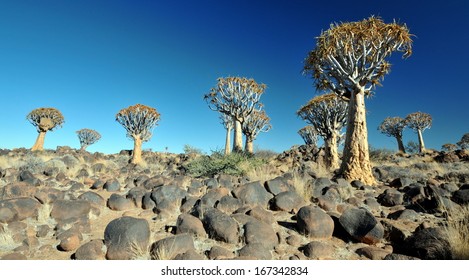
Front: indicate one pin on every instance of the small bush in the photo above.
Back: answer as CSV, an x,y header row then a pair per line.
x,y
236,164
380,155
188,149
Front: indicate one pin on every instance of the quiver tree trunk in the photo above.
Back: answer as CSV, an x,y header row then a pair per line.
x,y
331,153
249,145
137,153
238,138
228,141
356,160
39,145
421,143
83,148
400,144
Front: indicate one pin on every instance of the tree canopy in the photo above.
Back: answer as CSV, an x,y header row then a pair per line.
x,y
45,119
138,120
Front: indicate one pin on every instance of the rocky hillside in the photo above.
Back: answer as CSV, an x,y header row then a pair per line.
x,y
66,204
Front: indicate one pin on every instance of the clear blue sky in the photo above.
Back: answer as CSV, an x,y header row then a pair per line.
x,y
89,59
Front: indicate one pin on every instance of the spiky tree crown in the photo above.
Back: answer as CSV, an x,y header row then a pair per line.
x,y
419,121
327,113
256,122
353,54
88,136
309,135
45,119
235,96
392,126
138,120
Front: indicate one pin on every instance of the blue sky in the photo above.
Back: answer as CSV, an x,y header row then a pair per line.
x,y
89,59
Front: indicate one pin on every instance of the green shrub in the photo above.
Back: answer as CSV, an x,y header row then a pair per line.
x,y
188,149
237,164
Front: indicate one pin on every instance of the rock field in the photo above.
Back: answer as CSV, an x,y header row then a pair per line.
x,y
66,204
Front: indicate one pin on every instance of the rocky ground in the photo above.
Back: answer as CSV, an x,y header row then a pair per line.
x,y
66,204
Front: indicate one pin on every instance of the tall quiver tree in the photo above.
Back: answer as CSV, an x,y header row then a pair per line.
x,y
256,122
236,97
309,135
227,122
328,114
393,127
139,121
87,137
44,119
418,122
350,59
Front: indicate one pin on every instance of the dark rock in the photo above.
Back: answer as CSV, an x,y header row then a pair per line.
x,y
259,232
93,198
373,205
69,240
449,187
19,189
188,204
255,251
253,194
429,244
136,196
123,235
189,224
8,215
14,257
211,183
314,222
168,198
399,257
361,225
319,185
400,182
119,203
288,201
294,240
262,215
318,250
220,226
229,204
23,207
49,195
154,182
42,231
147,202
28,177
406,214
210,199
278,185
190,255
220,253
93,250
67,209
226,181
373,253
461,196
112,185
98,185
170,247
357,184
391,197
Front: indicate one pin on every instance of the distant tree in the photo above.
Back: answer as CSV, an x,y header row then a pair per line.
x,y
139,121
412,147
227,122
87,137
309,135
393,127
327,113
418,122
44,119
256,122
464,143
188,149
448,147
350,59
236,97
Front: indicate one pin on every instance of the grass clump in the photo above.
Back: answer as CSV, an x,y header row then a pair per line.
x,y
236,164
457,229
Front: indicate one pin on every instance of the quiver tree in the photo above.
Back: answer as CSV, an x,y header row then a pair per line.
x,y
309,135
227,122
328,115
464,143
256,122
44,119
87,137
350,59
418,122
139,121
393,127
236,97
448,147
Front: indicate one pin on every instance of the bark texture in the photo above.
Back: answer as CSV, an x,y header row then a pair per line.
x,y
356,162
400,144
238,138
249,146
39,145
228,141
421,143
332,155
137,153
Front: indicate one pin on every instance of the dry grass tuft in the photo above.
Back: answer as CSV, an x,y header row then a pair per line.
x,y
263,173
457,229
7,243
302,186
139,252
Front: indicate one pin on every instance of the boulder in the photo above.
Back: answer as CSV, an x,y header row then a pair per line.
x,y
255,251
391,197
112,185
429,244
119,203
19,189
22,208
461,196
318,250
189,224
168,248
93,250
361,225
168,198
136,196
220,253
288,201
27,177
253,194
263,215
314,222
124,236
8,215
93,198
220,226
259,232
319,185
229,204
69,240
278,185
